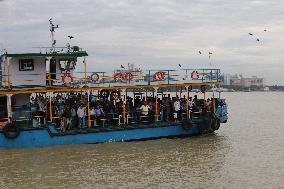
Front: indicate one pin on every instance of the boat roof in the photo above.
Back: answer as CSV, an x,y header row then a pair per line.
x,y
60,89
52,54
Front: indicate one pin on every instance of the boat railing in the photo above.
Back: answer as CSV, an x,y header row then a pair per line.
x,y
117,78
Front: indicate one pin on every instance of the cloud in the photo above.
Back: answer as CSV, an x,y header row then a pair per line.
x,y
155,33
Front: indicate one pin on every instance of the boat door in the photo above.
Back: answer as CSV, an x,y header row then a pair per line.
x,y
3,107
53,69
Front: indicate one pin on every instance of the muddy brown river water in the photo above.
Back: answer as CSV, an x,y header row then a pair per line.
x,y
247,152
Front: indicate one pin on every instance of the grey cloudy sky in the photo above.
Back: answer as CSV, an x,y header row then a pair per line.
x,y
156,33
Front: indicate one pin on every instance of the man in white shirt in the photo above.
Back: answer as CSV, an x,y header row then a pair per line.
x,y
190,104
81,113
144,109
176,109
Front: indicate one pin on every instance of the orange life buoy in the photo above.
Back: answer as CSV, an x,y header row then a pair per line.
x,y
95,77
195,75
117,77
67,78
158,76
128,76
123,77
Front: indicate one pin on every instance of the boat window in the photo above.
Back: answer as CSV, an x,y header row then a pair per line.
x,y
26,64
67,64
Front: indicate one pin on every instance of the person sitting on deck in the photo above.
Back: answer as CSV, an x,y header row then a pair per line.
x,y
81,113
93,115
38,117
99,113
208,105
144,109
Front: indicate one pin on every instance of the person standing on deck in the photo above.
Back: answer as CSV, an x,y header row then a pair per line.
x,y
163,109
190,104
81,113
168,108
67,120
195,107
176,110
73,116
93,115
182,107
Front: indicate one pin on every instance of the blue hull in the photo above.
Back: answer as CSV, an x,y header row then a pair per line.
x,y
41,137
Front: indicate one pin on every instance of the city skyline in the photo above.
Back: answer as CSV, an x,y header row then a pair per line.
x,y
156,34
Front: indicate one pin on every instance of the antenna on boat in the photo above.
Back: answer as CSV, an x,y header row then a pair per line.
x,y
52,30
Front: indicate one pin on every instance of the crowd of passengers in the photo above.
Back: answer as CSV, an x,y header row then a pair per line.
x,y
72,109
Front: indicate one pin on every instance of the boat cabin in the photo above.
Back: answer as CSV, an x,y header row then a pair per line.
x,y
32,69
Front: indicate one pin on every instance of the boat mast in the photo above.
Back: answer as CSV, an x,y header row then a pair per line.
x,y
52,30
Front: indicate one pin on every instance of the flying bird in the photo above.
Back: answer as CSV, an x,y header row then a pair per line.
x,y
265,30
200,52
70,37
122,66
210,53
257,39
250,34
179,65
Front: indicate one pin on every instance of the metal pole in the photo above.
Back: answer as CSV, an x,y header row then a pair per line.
x,y
124,114
168,77
45,103
156,107
49,73
214,105
9,75
50,107
9,105
89,116
187,107
85,71
149,77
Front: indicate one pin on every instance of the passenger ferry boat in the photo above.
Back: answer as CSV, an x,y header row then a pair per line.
x,y
44,101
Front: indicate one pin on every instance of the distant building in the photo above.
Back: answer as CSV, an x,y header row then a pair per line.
x,y
236,80
227,79
239,80
256,81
